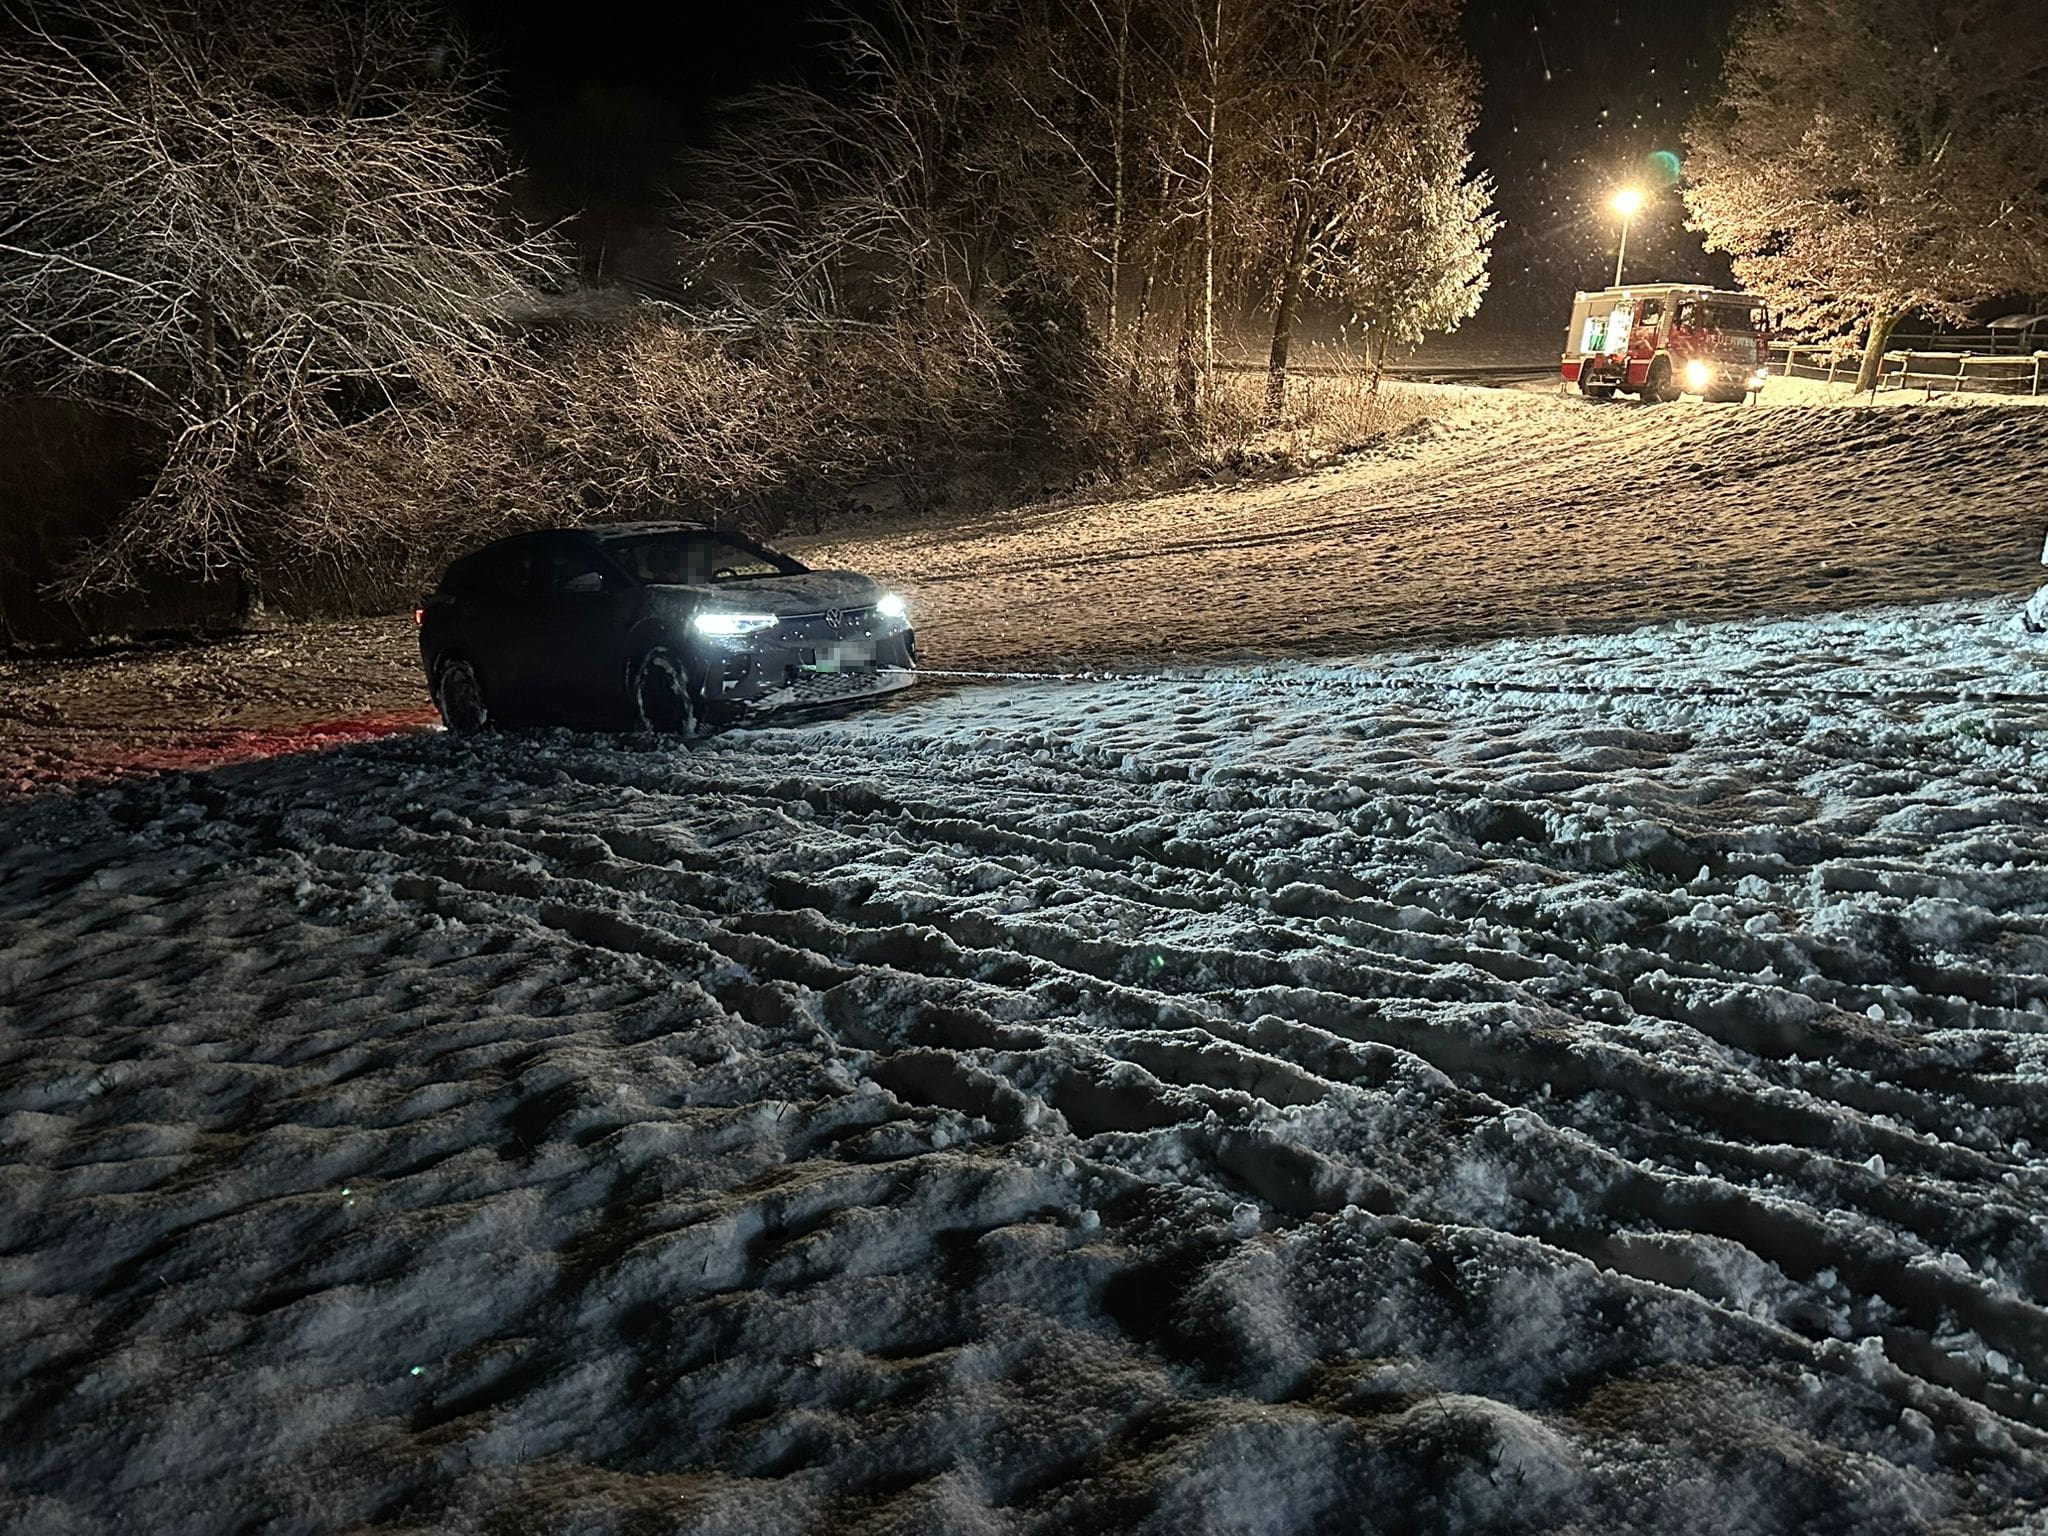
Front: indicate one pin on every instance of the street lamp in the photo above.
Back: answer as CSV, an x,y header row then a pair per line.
x,y
1628,202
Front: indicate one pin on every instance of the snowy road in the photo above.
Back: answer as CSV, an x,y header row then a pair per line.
x,y
1586,1084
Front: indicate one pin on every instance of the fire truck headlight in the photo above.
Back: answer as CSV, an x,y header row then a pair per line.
x,y
1698,376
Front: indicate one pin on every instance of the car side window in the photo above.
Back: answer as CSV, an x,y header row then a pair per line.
x,y
497,574
664,559
572,568
1651,312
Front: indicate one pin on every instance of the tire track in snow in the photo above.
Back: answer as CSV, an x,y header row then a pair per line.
x,y
1107,960
764,1097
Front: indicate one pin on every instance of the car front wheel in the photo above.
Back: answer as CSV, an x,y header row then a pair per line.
x,y
663,700
460,697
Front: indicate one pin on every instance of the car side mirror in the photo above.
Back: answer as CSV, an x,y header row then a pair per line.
x,y
589,581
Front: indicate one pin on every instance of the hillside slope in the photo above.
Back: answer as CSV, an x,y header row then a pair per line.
x,y
1510,514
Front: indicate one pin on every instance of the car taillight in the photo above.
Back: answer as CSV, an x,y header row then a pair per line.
x,y
419,615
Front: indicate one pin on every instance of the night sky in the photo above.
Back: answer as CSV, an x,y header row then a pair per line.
x,y
1578,97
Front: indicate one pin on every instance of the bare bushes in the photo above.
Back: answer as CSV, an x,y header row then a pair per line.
x,y
1328,412
648,416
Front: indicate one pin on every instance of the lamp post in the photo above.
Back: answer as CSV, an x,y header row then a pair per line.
x,y
1627,202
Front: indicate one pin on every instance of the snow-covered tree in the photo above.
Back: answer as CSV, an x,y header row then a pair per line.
x,y
247,225
1357,188
1412,263
1867,158
995,164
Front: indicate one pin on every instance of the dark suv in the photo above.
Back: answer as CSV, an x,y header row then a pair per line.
x,y
652,626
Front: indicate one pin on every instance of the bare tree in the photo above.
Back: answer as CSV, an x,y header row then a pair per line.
x,y
928,186
1085,94
1867,158
1114,26
251,227
631,413
1008,167
1189,143
878,196
1215,44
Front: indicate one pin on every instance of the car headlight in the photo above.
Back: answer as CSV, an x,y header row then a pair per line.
x,y
725,625
891,606
1698,376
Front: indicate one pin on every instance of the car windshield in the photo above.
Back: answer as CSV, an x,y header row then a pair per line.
x,y
696,559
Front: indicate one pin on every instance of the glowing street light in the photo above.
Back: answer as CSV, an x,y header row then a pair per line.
x,y
1628,202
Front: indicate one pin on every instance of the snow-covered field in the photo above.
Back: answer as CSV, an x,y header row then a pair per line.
x,y
1586,1084
1506,514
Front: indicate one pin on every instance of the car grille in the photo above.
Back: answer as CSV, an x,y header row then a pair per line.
x,y
834,619
800,688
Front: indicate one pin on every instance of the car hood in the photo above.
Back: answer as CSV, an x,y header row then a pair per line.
x,y
788,596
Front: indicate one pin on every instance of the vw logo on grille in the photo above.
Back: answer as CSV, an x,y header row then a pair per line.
x,y
835,616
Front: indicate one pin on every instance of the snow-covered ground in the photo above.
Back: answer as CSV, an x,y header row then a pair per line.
x,y
1505,514
1793,391
165,707
1586,1084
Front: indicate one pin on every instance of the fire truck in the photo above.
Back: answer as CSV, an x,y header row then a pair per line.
x,y
1658,341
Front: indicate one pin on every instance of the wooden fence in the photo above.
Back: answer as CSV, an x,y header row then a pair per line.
x,y
1936,373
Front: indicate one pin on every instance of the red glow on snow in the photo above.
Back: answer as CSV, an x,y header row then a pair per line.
x,y
199,752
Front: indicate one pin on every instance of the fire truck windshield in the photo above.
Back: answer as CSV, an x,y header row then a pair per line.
x,y
1722,317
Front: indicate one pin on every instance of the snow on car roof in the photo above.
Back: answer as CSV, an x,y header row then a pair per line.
x,y
636,530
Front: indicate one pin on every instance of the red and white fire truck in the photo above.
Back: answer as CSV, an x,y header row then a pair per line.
x,y
1662,340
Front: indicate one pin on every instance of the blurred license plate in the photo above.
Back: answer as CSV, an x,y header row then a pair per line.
x,y
843,656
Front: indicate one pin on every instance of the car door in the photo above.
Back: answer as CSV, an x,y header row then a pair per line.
x,y
493,596
1646,335
583,607
1640,332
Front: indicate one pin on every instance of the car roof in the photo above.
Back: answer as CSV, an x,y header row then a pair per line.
x,y
636,530
601,532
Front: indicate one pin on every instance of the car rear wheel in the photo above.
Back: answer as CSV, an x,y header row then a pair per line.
x,y
1590,390
459,696
663,700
